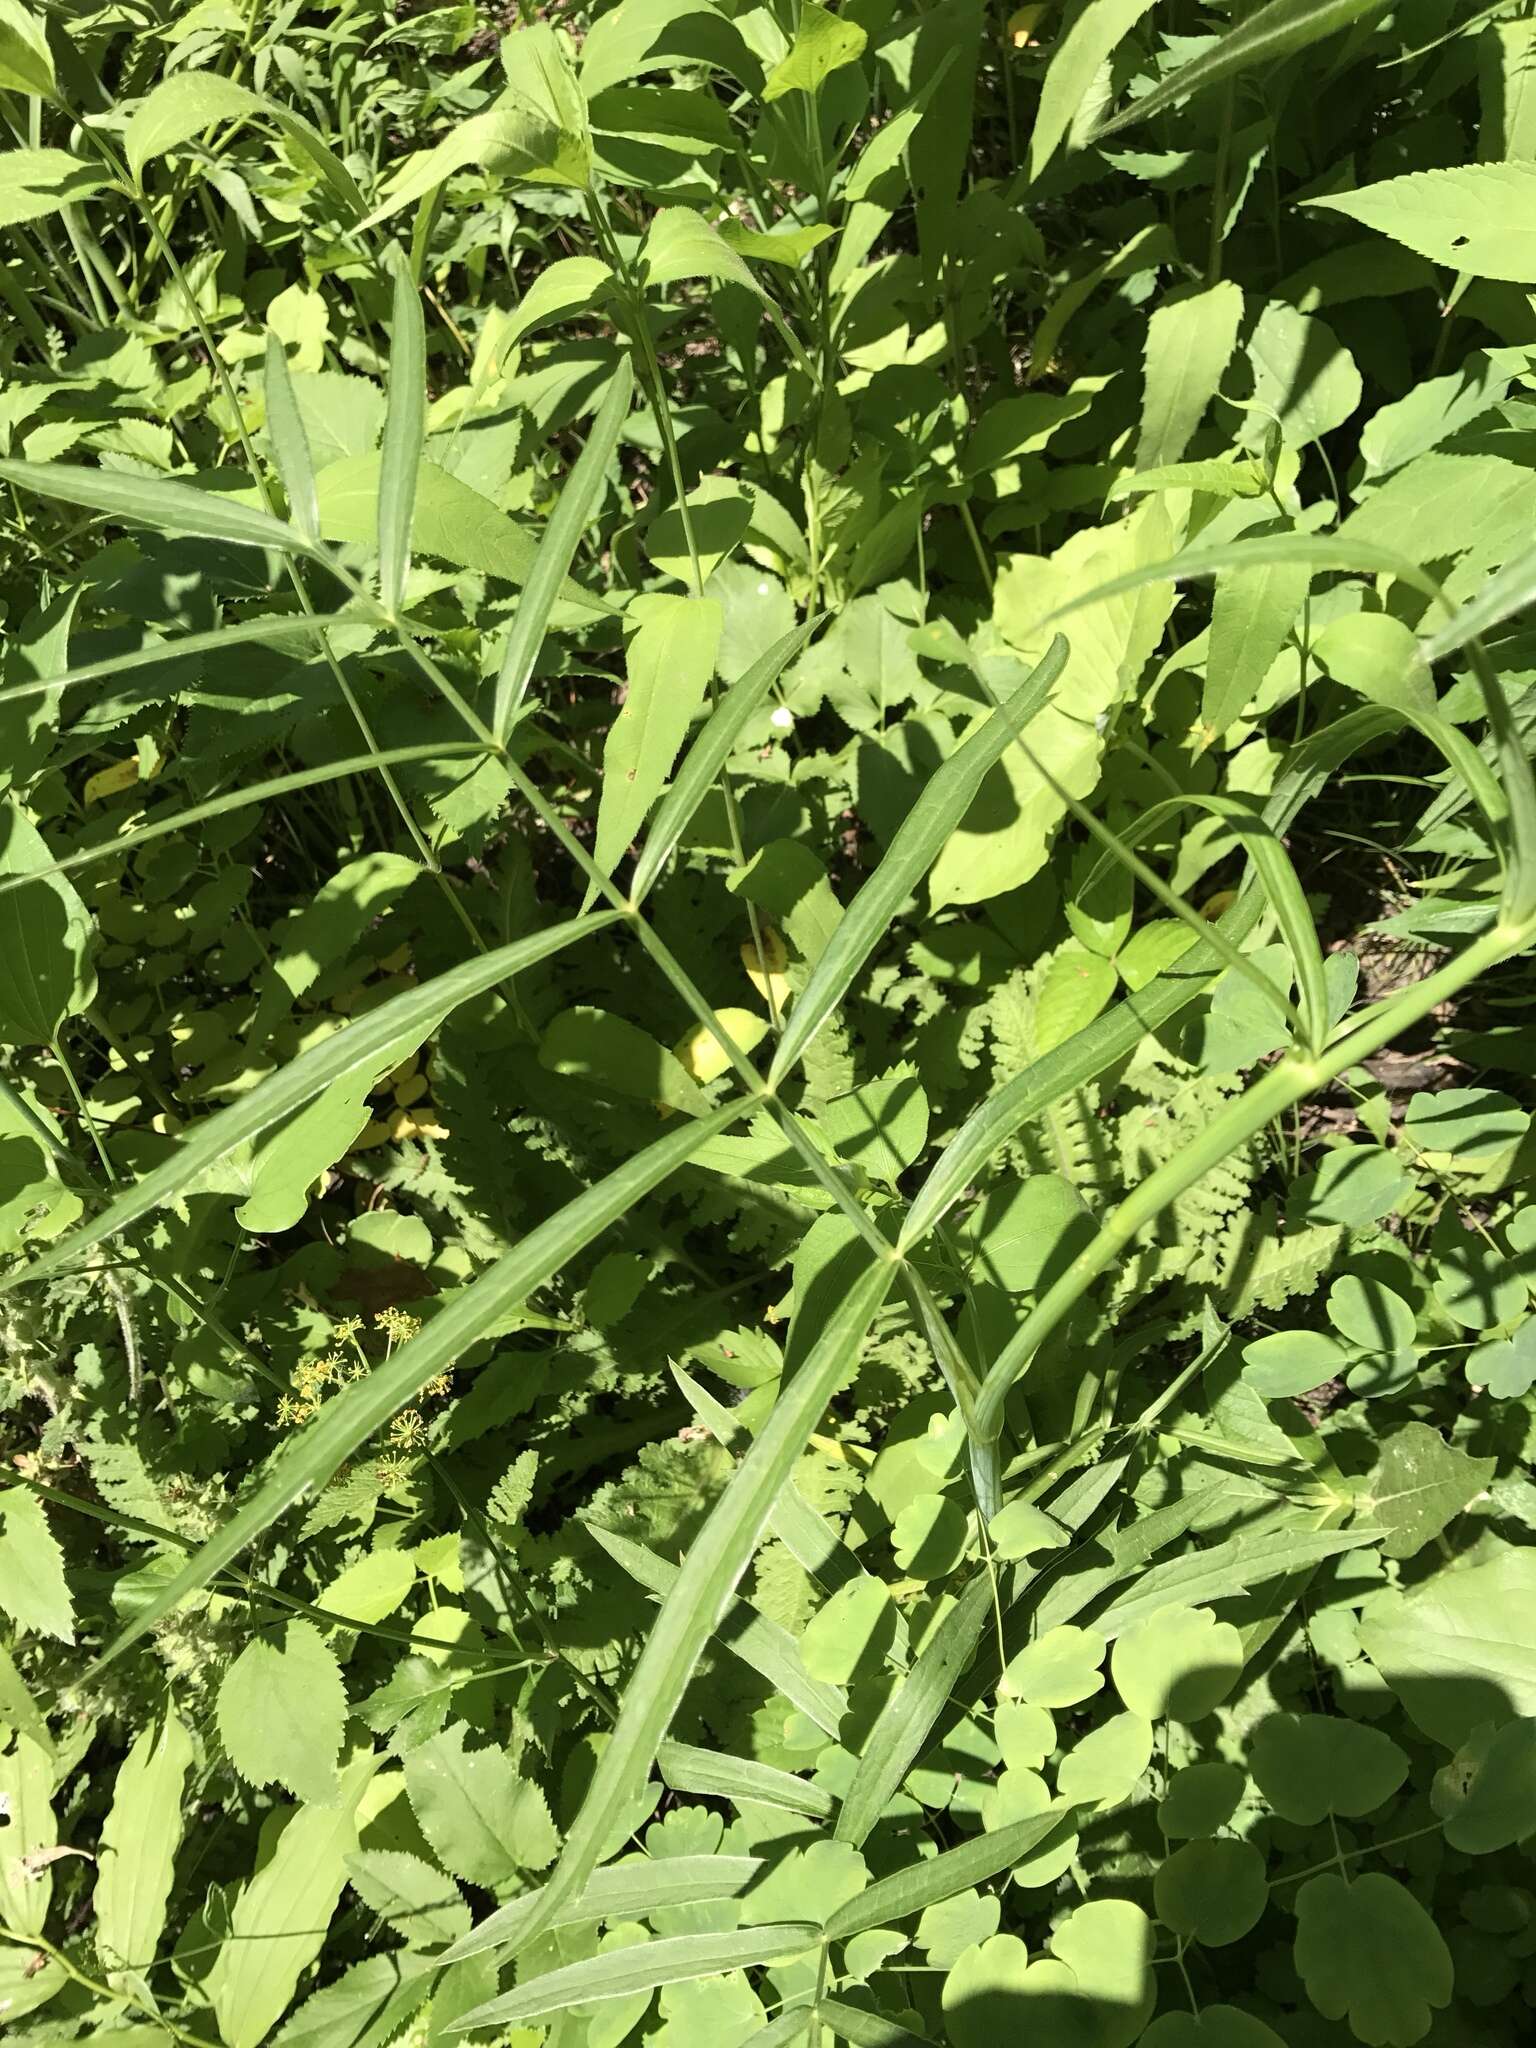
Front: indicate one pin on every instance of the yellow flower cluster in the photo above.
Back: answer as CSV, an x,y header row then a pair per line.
x,y
313,1376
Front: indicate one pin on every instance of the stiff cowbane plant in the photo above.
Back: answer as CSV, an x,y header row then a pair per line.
x,y
767,878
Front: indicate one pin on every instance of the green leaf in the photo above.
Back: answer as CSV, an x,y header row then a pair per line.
x,y
910,1712
1068,98
1235,1566
924,1883
824,42
614,1057
1368,1952
1022,1529
1104,1767
1266,36
759,1642
1214,2026
1200,1799
290,443
351,1416
26,63
852,1634
1460,1647
185,104
484,1820
26,1868
45,940
1251,621
545,579
1486,1795
1212,1892
348,1051
281,1714
920,838
678,1960
136,1856
568,285
536,133
1058,1669
405,426
1292,1362
157,502
1180,1662
709,753
881,1127
1479,219
279,1921
740,1780
1311,1765
681,243
631,1890
33,1591
1189,344
1302,375
423,1906
669,662
38,181
1419,1486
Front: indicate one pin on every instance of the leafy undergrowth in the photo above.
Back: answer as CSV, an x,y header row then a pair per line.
x,y
766,874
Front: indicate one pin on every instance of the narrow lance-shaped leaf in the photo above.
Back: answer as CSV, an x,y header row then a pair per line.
x,y
719,1555
715,1775
624,1891
173,818
404,432
577,503
1263,37
908,1716
924,1884
248,632
299,1082
352,1415
918,842
158,502
290,443
710,752
139,1839
767,1647
617,1972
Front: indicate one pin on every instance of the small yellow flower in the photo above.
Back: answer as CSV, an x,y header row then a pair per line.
x,y
349,1329
358,1369
438,1386
397,1326
407,1430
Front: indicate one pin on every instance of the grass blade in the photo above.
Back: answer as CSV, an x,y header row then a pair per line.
x,y
351,1416
405,425
299,1082
158,502
623,1892
719,1555
916,845
709,754
578,500
679,1959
